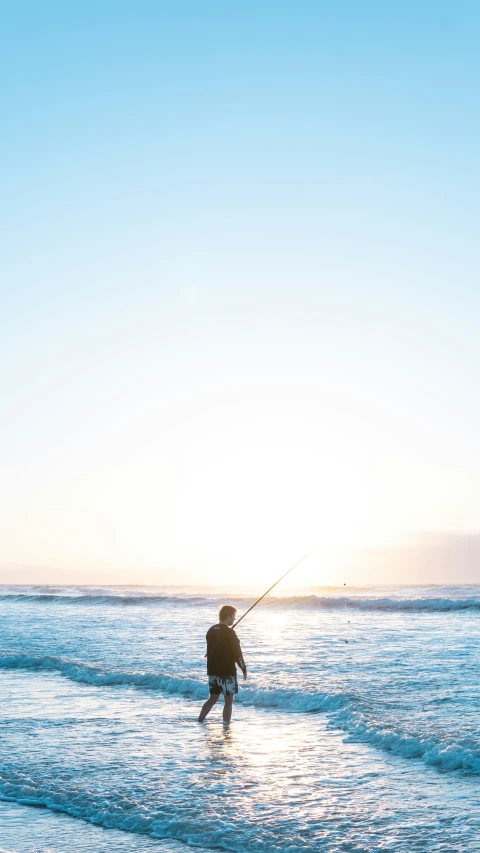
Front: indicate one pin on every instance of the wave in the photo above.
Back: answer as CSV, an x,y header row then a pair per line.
x,y
425,604
19,789
100,598
98,677
282,698
447,755
431,605
342,709
174,834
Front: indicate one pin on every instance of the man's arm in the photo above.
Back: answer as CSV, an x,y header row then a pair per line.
x,y
209,642
239,656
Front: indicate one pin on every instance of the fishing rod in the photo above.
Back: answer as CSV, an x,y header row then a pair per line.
x,y
274,584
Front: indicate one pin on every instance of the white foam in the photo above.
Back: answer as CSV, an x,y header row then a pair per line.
x,y
448,755
104,597
431,605
283,699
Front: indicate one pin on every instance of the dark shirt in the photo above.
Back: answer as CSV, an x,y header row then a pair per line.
x,y
223,651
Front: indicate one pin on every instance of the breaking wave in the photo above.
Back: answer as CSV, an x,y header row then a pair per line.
x,y
385,604
344,711
432,605
283,699
447,755
100,598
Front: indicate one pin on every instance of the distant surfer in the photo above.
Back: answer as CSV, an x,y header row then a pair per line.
x,y
223,653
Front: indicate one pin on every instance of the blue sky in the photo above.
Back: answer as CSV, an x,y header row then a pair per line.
x,y
240,286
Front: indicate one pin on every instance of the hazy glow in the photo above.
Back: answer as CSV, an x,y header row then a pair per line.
x,y
240,292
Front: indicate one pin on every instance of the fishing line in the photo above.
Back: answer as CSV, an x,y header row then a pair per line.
x,y
345,602
348,621
274,584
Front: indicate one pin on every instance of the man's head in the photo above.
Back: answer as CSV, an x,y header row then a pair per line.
x,y
227,615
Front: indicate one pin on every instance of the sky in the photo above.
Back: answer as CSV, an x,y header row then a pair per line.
x,y
240,291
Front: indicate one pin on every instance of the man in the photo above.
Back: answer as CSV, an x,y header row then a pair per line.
x,y
223,652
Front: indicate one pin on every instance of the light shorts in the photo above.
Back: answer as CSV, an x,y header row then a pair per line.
x,y
226,684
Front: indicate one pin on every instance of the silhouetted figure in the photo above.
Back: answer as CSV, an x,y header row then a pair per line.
x,y
223,653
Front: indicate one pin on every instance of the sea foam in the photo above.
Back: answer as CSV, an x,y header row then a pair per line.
x,y
418,604
345,711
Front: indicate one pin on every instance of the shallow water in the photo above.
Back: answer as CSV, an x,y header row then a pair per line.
x,y
39,830
366,745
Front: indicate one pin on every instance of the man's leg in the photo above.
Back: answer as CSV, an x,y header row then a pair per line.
x,y
227,708
208,706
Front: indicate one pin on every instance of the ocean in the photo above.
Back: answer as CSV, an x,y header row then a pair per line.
x,y
356,731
